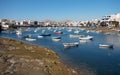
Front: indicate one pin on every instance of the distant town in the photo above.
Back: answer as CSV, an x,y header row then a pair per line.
x,y
111,21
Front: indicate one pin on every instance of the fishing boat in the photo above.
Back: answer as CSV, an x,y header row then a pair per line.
x,y
30,39
75,36
45,34
76,31
83,41
68,45
105,46
40,36
56,38
86,38
18,32
58,32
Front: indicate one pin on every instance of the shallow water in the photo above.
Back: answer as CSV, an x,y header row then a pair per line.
x,y
87,58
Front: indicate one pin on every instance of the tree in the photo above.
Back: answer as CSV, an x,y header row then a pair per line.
x,y
103,24
114,23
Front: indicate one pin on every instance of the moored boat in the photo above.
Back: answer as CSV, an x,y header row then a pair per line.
x,y
58,32
83,41
76,31
75,36
86,38
40,36
30,39
56,38
68,45
18,32
105,46
45,34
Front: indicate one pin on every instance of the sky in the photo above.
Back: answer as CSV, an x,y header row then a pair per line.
x,y
57,10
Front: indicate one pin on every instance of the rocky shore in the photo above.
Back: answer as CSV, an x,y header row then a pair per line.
x,y
17,58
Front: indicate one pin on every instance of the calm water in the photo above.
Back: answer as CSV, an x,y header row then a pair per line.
x,y
87,58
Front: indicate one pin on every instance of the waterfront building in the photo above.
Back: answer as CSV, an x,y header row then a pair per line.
x,y
115,17
25,22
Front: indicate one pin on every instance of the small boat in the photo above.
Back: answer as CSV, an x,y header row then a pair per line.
x,y
68,45
18,32
40,36
76,31
75,36
30,39
56,38
83,41
86,38
45,34
105,46
58,32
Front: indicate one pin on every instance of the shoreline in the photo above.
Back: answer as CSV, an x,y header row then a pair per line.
x,y
18,58
103,29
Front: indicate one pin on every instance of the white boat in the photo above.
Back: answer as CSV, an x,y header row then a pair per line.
x,y
40,36
105,46
30,39
56,38
58,32
75,36
86,38
18,32
76,31
83,41
67,45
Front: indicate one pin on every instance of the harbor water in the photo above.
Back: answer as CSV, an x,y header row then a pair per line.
x,y
87,58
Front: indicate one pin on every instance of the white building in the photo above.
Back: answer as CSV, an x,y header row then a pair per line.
x,y
115,17
5,26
